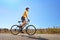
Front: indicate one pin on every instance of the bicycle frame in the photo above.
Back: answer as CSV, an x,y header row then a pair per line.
x,y
26,27
26,23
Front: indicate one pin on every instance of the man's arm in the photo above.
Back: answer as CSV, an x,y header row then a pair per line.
x,y
28,19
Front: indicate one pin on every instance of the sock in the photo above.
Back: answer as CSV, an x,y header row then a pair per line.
x,y
20,26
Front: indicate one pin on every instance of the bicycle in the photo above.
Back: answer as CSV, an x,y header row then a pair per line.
x,y
30,29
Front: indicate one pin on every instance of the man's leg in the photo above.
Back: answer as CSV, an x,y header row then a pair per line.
x,y
23,25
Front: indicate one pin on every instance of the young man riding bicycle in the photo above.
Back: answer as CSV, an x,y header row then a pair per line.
x,y
30,29
23,18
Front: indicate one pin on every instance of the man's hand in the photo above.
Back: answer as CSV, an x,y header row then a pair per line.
x,y
28,20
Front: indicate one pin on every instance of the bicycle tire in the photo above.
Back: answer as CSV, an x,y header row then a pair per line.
x,y
27,29
13,31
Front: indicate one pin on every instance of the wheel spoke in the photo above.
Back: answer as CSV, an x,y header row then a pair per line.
x,y
15,29
31,30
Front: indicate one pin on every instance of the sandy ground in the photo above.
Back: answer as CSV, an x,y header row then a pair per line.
x,y
29,37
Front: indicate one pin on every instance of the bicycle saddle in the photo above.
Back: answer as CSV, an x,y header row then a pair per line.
x,y
19,21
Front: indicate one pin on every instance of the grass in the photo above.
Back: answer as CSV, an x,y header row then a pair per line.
x,y
39,31
48,31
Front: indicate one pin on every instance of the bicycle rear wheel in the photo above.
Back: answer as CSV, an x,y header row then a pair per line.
x,y
15,29
30,30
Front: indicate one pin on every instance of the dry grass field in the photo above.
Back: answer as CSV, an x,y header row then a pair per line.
x,y
39,31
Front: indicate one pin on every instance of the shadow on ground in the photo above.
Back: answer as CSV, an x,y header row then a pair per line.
x,y
33,37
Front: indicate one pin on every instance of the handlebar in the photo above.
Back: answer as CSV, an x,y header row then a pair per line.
x,y
28,19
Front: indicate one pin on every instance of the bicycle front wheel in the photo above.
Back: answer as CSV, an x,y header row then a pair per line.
x,y
15,29
30,30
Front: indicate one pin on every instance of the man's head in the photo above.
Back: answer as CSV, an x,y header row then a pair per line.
x,y
27,9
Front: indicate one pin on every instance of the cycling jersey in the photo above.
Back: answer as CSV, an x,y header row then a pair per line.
x,y
25,15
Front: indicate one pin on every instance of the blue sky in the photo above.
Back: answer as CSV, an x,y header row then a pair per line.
x,y
42,13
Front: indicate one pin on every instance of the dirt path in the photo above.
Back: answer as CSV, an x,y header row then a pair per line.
x,y
28,37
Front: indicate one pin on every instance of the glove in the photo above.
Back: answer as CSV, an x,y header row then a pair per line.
x,y
28,20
